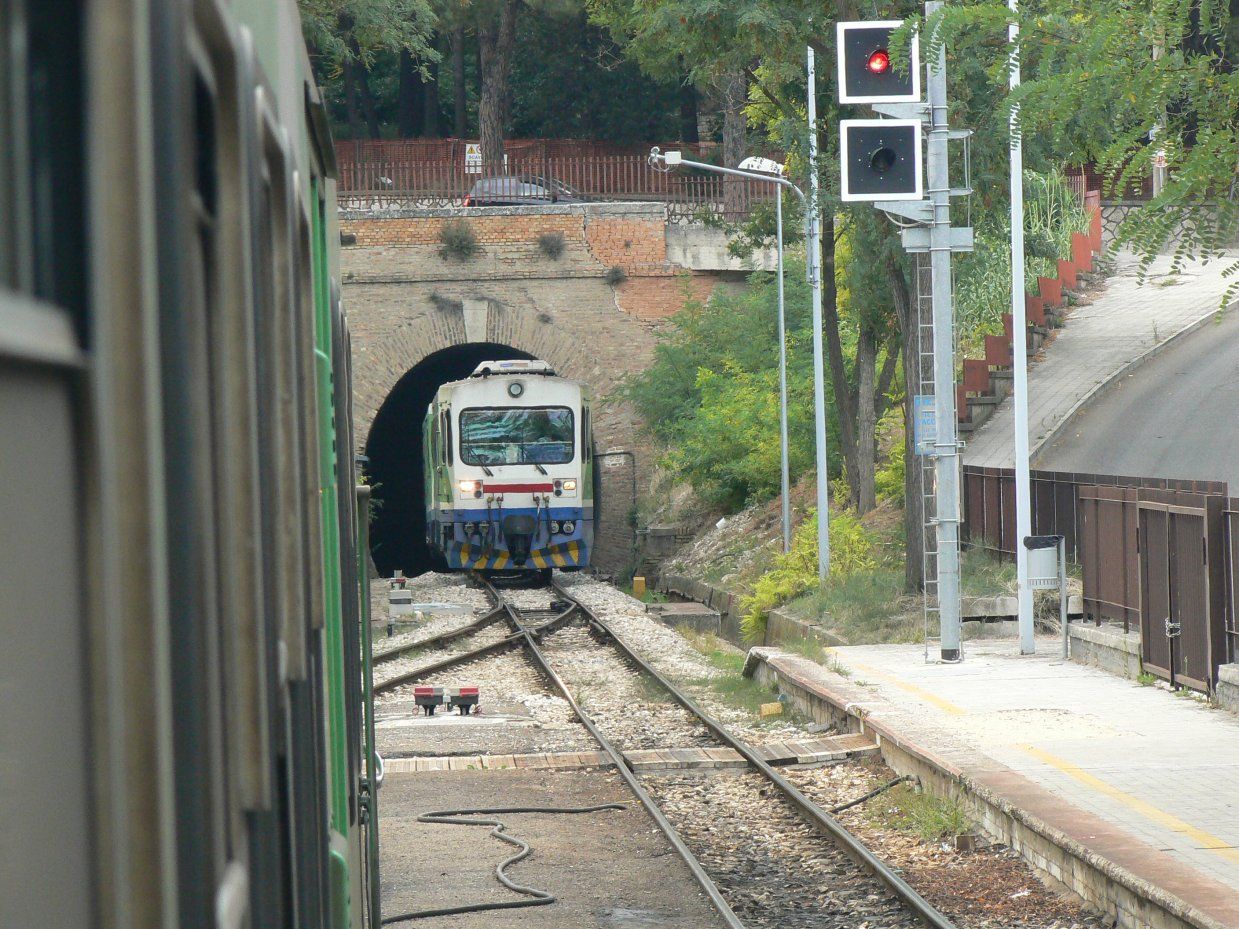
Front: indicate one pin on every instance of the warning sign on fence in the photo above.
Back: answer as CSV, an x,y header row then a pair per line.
x,y
473,158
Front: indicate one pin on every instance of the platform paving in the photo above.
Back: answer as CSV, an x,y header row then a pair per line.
x,y
1124,322
1135,774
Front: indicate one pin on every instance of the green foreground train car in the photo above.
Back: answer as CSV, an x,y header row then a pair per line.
x,y
187,731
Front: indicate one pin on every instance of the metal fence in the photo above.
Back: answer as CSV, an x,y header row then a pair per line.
x,y
1155,553
415,181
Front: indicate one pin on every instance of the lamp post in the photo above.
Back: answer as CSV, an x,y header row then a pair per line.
x,y
763,169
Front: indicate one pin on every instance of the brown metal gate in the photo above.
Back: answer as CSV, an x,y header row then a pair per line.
x,y
1182,586
1109,554
1231,568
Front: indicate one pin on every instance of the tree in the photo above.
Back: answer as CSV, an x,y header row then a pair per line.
x,y
496,31
1121,85
345,36
764,41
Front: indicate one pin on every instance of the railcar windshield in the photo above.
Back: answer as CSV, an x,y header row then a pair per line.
x,y
523,435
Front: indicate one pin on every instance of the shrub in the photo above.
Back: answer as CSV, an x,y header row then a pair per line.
x,y
459,240
551,244
851,550
615,276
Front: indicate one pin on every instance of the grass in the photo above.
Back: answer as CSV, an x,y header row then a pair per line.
x,y
731,686
921,813
1145,679
551,244
650,595
984,575
864,607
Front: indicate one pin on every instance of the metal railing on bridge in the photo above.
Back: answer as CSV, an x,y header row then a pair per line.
x,y
414,182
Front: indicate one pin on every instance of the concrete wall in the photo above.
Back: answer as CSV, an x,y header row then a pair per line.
x,y
1106,647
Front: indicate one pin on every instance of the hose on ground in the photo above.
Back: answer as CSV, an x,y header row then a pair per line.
x,y
869,796
458,818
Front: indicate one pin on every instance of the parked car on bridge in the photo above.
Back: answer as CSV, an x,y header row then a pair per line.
x,y
520,190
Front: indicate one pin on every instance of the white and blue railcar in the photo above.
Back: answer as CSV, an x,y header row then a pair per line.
x,y
510,470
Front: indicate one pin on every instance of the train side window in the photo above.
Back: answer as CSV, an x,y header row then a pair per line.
x,y
447,435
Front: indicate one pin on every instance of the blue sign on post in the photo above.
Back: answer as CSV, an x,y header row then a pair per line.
x,y
924,424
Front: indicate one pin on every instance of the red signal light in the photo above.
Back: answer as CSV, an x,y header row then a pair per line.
x,y
880,61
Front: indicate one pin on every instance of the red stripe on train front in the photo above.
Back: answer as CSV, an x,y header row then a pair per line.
x,y
517,488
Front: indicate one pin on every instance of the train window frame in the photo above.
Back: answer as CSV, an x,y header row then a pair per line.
x,y
275,196
572,456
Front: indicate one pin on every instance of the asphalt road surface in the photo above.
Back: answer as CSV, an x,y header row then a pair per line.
x,y
1177,415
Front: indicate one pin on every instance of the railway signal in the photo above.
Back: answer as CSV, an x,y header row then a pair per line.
x,y
866,73
880,159
880,162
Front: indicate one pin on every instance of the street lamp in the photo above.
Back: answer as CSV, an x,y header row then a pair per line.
x,y
763,169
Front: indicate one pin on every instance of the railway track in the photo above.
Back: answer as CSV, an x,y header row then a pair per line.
x,y
751,839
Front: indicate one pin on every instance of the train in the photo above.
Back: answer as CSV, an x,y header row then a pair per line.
x,y
187,725
510,471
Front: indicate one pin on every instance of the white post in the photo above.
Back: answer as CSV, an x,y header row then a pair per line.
x,y
819,386
784,476
1019,339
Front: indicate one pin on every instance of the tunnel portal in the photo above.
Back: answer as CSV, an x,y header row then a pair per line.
x,y
394,450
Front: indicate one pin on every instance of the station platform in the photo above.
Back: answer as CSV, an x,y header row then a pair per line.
x,y
1126,794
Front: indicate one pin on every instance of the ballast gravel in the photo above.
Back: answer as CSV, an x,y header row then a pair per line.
x,y
989,887
394,667
511,687
674,657
629,708
772,867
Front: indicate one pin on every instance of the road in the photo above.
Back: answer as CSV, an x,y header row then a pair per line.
x,y
1177,415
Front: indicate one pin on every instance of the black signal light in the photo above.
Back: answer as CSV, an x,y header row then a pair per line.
x,y
866,73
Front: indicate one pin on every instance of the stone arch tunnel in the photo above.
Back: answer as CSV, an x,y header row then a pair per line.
x,y
409,339
394,452
419,318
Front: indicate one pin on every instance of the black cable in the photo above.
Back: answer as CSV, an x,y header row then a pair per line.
x,y
869,796
455,817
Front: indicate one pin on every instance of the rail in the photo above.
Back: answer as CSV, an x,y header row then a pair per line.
x,y
529,636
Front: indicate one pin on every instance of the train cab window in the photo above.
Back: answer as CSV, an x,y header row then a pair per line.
x,y
523,435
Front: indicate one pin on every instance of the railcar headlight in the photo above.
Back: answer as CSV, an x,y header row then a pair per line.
x,y
569,527
570,484
471,487
515,389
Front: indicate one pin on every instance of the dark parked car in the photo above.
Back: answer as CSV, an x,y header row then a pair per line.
x,y
516,191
